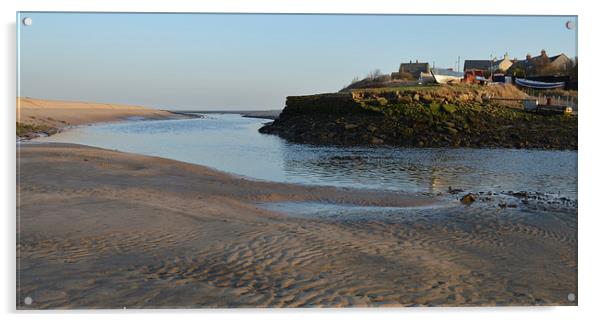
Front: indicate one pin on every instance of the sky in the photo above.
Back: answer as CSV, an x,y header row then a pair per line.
x,y
251,61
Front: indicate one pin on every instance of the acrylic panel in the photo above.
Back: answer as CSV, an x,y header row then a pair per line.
x,y
189,160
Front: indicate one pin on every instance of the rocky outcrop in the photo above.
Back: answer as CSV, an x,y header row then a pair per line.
x,y
426,116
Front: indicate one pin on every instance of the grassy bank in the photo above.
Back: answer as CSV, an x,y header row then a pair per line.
x,y
27,130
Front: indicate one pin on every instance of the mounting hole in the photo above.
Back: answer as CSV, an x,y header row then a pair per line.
x,y
571,297
569,25
27,21
28,300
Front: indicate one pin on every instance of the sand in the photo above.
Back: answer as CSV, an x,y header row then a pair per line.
x,y
61,114
105,229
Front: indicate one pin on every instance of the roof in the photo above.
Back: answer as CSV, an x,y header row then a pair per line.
x,y
528,63
414,64
478,64
553,58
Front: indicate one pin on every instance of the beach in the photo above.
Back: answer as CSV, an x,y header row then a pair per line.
x,y
41,116
106,229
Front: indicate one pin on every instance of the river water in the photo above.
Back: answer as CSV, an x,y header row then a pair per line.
x,y
231,143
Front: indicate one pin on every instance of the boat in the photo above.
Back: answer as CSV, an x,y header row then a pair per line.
x,y
538,85
425,78
475,76
445,76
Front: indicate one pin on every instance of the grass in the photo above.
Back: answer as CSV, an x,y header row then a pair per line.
x,y
418,88
25,129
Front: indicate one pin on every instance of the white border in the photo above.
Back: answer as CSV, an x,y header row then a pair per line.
x,y
589,161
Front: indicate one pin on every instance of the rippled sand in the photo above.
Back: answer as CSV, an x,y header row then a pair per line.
x,y
103,229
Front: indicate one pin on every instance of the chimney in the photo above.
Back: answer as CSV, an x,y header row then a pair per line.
x,y
416,61
528,56
543,53
506,56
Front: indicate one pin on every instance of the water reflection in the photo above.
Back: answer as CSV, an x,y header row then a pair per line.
x,y
434,170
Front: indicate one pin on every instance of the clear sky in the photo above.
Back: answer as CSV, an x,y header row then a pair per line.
x,y
240,61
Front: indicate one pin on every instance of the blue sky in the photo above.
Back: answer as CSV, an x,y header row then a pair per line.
x,y
237,61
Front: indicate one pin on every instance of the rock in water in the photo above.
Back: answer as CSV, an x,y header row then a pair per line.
x,y
454,191
468,199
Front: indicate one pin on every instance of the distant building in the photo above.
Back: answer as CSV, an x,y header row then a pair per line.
x,y
488,64
504,64
481,65
541,64
413,68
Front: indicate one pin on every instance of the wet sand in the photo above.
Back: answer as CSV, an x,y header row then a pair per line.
x,y
105,229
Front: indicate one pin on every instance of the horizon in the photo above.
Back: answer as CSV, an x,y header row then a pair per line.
x,y
239,62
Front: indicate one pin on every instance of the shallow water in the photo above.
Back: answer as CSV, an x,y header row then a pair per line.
x,y
322,210
231,143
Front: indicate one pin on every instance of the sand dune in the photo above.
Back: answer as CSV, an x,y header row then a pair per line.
x,y
59,114
104,229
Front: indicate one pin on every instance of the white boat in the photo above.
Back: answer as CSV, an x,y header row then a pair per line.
x,y
446,76
538,85
426,78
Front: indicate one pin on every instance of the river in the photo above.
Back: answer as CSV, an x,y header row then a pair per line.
x,y
231,143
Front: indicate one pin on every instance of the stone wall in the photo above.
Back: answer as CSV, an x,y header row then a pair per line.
x,y
438,116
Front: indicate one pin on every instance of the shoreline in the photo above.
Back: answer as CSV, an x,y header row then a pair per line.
x,y
100,228
107,229
260,114
37,117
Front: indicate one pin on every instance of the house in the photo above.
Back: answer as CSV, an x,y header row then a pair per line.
x,y
503,64
542,64
488,64
413,68
481,65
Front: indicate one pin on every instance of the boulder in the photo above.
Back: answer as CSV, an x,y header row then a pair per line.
x,y
376,140
448,108
382,101
468,199
454,191
427,98
451,130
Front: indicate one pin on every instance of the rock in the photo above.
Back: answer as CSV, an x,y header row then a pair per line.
x,y
427,98
408,120
451,130
448,108
382,101
464,97
520,194
406,99
376,140
468,199
434,107
454,191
